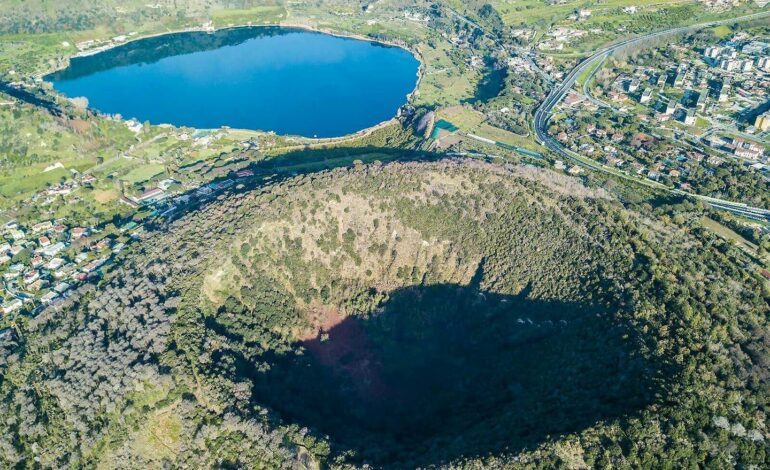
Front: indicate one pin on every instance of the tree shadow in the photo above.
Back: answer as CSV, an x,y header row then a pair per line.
x,y
274,170
490,86
447,371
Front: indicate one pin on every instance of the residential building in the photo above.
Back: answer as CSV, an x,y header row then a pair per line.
x,y
712,52
690,117
17,234
151,195
42,226
746,66
762,122
646,96
670,108
31,276
53,250
48,297
54,264
724,93
61,287
748,150
701,103
11,306
763,63
679,79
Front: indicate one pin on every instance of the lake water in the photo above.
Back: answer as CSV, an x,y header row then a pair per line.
x,y
285,80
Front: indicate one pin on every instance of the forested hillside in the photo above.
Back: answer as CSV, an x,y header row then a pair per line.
x,y
402,315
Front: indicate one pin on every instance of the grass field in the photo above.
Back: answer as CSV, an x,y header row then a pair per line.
x,y
24,181
506,137
256,15
143,173
445,81
105,196
540,14
721,32
159,438
587,73
729,234
471,121
464,117
536,13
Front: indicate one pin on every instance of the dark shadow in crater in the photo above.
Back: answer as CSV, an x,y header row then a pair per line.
x,y
448,371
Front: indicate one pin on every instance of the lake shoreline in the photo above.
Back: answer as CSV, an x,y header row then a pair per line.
x,y
298,26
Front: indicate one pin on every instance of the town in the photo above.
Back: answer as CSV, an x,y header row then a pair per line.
x,y
691,115
41,263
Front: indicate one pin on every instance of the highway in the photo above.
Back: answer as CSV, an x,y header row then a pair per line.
x,y
587,89
543,115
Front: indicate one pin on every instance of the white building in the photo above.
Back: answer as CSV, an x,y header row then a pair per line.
x,y
53,250
690,117
11,306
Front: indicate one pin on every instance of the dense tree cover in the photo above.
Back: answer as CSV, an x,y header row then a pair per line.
x,y
402,314
511,108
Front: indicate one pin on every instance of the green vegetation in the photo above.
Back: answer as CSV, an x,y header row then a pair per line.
x,y
268,14
143,173
367,301
607,21
357,304
721,32
729,234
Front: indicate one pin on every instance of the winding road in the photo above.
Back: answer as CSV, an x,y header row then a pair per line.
x,y
543,115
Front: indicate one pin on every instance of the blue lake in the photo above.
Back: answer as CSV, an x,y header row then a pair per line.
x,y
285,80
